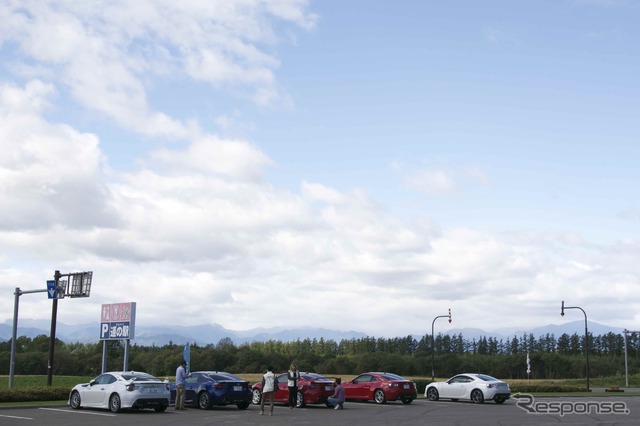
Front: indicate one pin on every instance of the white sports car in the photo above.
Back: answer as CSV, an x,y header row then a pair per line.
x,y
472,386
121,389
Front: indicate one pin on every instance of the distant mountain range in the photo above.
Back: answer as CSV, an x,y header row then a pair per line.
x,y
180,335
213,333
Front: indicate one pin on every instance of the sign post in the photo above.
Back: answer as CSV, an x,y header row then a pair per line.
x,y
56,289
117,322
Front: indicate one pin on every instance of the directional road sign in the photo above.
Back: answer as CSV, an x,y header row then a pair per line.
x,y
52,291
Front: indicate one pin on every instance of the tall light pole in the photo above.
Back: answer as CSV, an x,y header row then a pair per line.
x,y
586,335
626,363
433,347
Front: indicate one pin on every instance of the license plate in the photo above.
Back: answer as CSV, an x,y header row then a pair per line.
x,y
407,386
237,388
153,390
328,388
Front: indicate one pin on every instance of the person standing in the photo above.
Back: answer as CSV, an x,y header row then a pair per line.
x,y
292,383
337,399
181,380
269,386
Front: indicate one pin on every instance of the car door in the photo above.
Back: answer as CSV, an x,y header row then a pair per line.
x,y
362,386
95,393
459,388
452,388
191,387
282,390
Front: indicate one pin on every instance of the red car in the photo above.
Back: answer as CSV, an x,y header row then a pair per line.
x,y
312,389
380,387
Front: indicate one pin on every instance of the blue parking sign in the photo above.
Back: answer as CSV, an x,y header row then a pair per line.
x,y
52,291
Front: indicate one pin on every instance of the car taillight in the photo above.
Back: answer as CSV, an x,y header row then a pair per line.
x,y
489,385
131,387
218,386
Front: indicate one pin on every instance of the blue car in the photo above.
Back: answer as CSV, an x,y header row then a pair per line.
x,y
206,389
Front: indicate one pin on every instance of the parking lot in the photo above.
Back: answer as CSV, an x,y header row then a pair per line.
x,y
421,411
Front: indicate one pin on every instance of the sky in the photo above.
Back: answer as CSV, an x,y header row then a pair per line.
x,y
347,164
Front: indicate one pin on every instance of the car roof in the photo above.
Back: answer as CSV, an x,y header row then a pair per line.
x,y
477,375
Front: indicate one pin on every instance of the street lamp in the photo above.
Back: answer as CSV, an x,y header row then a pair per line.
x,y
586,335
433,346
626,363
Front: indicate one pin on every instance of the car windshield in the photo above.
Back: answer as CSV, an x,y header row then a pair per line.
x,y
230,376
221,376
313,376
390,376
139,377
487,378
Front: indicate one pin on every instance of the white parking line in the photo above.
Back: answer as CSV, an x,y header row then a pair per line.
x,y
78,412
16,417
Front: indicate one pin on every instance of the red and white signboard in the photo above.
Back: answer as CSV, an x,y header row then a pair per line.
x,y
118,321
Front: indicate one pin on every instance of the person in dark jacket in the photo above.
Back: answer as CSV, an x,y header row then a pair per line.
x,y
292,383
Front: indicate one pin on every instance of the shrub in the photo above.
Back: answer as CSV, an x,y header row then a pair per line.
x,y
39,393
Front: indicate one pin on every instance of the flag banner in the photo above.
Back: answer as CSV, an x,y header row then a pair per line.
x,y
528,364
186,355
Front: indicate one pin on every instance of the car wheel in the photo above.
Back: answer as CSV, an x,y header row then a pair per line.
x,y
300,400
243,405
161,408
256,397
114,403
500,400
432,394
477,397
406,400
75,401
379,396
204,402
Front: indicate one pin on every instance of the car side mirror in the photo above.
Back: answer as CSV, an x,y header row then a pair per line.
x,y
92,382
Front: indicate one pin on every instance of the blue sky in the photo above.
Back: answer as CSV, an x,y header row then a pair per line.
x,y
361,164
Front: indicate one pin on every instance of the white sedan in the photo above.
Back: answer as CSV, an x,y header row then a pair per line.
x,y
121,389
475,387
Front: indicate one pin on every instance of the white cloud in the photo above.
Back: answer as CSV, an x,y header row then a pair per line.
x,y
197,233
433,181
105,54
46,169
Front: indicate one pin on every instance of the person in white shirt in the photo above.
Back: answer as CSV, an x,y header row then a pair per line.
x,y
269,386
181,376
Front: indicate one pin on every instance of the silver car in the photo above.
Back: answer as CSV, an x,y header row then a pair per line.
x,y
471,386
121,389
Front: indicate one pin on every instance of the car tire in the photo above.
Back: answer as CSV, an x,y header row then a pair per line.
x,y
379,397
204,401
256,397
432,394
300,400
242,405
406,400
75,401
477,397
161,409
500,400
115,403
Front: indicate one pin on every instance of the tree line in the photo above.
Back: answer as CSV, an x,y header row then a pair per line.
x,y
550,357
